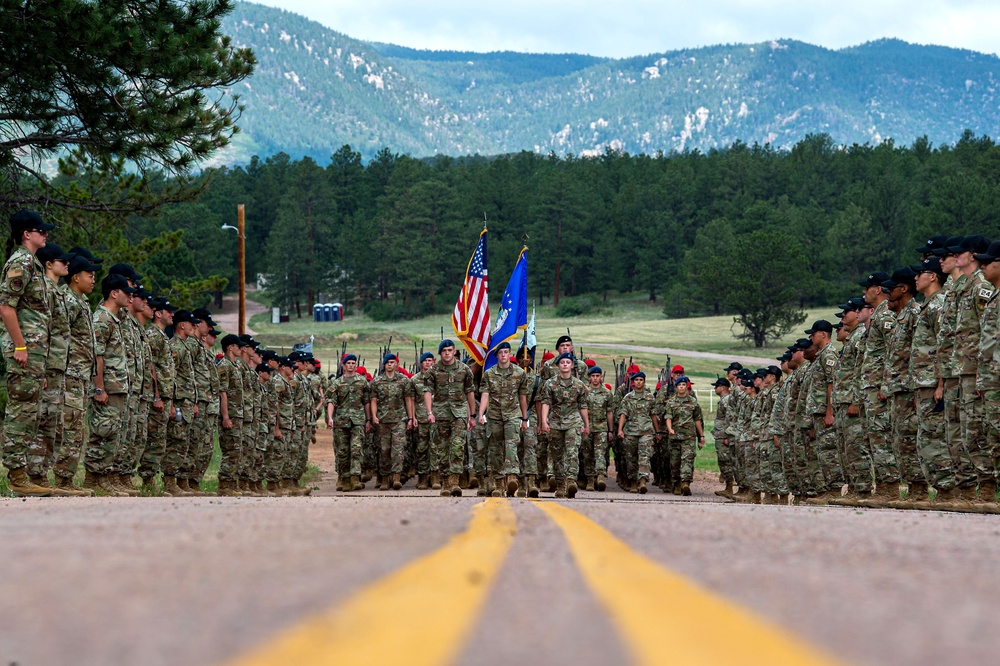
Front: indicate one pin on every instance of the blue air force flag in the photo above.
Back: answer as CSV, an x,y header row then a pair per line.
x,y
513,316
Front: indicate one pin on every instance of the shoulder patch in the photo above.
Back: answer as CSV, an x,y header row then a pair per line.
x,y
831,362
985,293
887,325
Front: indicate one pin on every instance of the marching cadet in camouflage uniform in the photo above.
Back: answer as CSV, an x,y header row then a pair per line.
x,y
971,299
621,466
79,368
51,404
563,412
349,414
897,383
988,377
231,412
932,444
184,403
819,403
163,390
425,453
111,386
504,402
637,424
846,402
686,428
720,433
285,426
550,369
595,445
24,308
125,460
876,408
451,387
391,408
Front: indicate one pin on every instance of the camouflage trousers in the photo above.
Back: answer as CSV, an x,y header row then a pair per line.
x,y
751,458
255,453
527,447
826,455
369,451
805,463
965,471
198,433
248,440
74,435
685,446
131,455
392,447
293,444
791,445
564,450
156,441
772,476
41,453
274,459
904,437
739,463
231,444
594,449
973,428
545,466
178,436
127,450
503,437
724,456
637,449
991,421
878,429
301,461
423,453
451,439
932,445
106,434
20,422
854,450
477,450
347,445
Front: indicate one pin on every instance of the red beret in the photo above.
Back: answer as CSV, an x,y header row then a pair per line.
x,y
632,369
607,386
361,370
677,368
590,362
547,355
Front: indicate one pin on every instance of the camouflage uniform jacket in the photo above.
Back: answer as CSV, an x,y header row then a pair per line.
x,y
162,360
637,407
57,358
391,393
81,361
231,381
720,427
923,351
778,422
202,376
946,327
876,341
988,378
184,384
744,433
823,371
270,409
286,403
616,399
897,360
846,386
450,385
349,395
802,417
26,289
214,399
146,363
249,377
133,347
683,412
504,387
565,398
419,410
598,406
760,417
109,344
972,299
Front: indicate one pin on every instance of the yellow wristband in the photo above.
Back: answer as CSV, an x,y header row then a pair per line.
x,y
20,349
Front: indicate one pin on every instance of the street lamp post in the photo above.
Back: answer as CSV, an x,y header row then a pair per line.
x,y
241,263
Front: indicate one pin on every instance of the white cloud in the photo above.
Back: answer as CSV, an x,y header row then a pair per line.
x,y
638,27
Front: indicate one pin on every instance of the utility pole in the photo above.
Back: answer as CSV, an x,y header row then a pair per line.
x,y
242,263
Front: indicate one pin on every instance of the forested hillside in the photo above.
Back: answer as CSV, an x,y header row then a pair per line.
x,y
315,89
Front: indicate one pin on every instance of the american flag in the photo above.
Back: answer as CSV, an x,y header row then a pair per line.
x,y
471,319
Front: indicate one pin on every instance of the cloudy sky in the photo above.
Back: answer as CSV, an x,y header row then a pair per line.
x,y
638,27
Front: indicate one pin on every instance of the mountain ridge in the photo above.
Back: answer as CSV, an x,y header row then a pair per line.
x,y
316,89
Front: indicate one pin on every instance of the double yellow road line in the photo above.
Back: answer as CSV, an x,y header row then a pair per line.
x,y
423,613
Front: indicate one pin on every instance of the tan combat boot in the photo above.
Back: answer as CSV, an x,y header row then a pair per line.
x,y
125,480
435,481
194,487
66,483
397,483
590,487
496,487
477,480
463,480
988,492
783,499
21,485
512,485
170,485
92,482
340,483
522,487
455,490
421,482
532,486
227,488
107,484
43,482
560,489
642,489
356,484
600,484
685,489
727,491
552,484
383,483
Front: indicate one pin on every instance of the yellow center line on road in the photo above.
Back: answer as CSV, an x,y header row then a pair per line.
x,y
664,618
420,614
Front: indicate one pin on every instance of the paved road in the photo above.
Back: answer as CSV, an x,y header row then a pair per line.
x,y
609,578
663,351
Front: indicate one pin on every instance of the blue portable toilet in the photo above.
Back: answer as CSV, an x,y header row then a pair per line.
x,y
327,316
318,312
337,311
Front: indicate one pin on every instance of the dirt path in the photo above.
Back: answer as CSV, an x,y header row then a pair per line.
x,y
228,317
745,360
